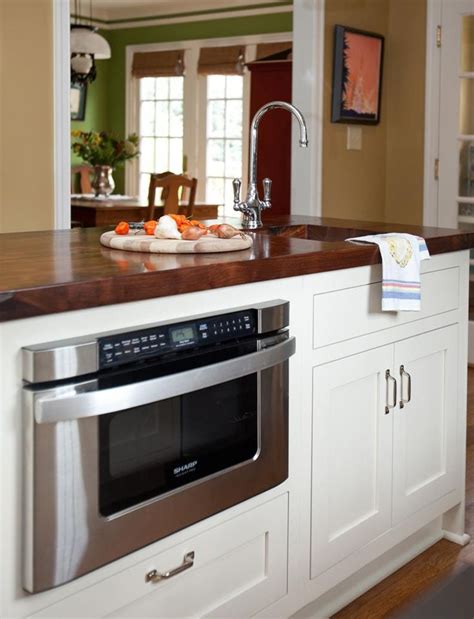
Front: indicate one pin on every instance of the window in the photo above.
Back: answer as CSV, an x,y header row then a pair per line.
x,y
224,103
160,127
196,124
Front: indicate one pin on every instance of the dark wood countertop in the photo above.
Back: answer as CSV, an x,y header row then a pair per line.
x,y
48,272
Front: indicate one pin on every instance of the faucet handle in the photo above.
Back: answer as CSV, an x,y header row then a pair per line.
x,y
236,184
267,190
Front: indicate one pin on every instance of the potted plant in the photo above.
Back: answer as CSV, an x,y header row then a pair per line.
x,y
104,152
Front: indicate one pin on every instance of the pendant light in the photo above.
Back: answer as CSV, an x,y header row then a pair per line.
x,y
179,68
87,46
240,64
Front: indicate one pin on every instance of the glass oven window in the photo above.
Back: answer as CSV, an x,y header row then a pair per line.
x,y
150,450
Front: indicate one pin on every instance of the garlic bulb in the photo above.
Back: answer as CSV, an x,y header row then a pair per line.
x,y
167,228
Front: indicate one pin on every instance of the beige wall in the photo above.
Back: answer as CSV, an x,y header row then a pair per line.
x,y
353,181
383,181
405,69
26,115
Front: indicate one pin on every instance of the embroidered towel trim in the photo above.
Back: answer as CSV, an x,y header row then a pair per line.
x,y
401,258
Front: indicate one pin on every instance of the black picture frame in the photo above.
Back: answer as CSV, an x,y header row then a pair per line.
x,y
77,101
367,105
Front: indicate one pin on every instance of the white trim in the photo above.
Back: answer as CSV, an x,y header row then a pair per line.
x,y
113,11
465,137
192,18
466,75
453,11
432,107
461,540
62,115
248,39
308,84
192,52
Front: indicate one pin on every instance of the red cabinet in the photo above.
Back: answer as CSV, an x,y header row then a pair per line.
x,y
271,81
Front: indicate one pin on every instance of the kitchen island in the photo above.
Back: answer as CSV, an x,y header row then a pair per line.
x,y
368,488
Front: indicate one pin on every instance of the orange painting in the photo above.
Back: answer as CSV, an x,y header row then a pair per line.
x,y
362,56
357,76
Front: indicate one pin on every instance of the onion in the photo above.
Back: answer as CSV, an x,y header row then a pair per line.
x,y
226,231
192,233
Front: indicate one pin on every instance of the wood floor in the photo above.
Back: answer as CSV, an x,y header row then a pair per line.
x,y
438,562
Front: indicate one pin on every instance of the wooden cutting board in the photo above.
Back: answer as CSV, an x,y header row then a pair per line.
x,y
144,243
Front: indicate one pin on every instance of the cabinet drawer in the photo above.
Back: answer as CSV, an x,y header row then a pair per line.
x,y
240,567
344,314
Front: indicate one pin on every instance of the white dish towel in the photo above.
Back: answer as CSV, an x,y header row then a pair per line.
x,y
401,258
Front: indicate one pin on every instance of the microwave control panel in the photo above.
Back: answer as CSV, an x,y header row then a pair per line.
x,y
123,348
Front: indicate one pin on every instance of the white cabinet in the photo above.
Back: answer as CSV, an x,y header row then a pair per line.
x,y
239,567
352,456
425,429
361,486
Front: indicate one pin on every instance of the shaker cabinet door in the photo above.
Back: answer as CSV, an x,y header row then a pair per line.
x,y
425,427
352,455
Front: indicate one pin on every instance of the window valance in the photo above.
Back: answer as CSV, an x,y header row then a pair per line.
x,y
269,49
221,60
156,64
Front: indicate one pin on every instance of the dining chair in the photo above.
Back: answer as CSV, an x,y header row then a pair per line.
x,y
84,172
171,185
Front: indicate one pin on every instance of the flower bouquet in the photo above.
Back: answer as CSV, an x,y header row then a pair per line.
x,y
104,152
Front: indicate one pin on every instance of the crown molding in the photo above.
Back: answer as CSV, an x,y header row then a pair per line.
x,y
139,16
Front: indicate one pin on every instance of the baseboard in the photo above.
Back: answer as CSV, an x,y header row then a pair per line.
x,y
462,540
373,573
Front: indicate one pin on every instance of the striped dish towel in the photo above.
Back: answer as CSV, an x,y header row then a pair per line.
x,y
401,258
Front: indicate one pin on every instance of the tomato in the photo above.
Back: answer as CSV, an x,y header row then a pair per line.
x,y
122,228
150,226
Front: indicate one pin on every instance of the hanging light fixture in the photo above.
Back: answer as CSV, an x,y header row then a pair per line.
x,y
179,67
240,64
87,46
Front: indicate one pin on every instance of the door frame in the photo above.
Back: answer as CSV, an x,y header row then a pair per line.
x,y
308,82
432,112
62,114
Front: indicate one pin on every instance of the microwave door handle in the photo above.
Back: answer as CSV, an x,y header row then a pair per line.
x,y
52,407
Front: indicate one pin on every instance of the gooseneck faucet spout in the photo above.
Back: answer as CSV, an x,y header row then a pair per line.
x,y
252,206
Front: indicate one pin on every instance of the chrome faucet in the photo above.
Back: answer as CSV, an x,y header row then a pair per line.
x,y
252,206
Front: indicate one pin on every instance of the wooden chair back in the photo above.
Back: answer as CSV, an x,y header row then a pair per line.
x,y
171,185
84,172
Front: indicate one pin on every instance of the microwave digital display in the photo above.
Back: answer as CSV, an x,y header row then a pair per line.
x,y
183,335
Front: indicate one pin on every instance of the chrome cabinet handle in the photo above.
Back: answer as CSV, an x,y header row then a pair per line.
x,y
403,400
390,379
155,576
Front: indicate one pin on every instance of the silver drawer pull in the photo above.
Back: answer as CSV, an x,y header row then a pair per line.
x,y
403,400
155,576
390,379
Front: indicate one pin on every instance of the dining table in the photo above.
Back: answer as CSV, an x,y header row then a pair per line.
x,y
89,212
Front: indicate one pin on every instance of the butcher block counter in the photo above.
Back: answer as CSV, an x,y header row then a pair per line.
x,y
376,420
56,271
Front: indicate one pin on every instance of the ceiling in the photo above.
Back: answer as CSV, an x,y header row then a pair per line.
x,y
127,9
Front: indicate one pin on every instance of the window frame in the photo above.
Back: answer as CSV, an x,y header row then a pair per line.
x,y
195,103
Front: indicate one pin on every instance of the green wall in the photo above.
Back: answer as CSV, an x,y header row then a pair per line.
x,y
114,93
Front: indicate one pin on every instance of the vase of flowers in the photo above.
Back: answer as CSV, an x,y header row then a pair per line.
x,y
104,152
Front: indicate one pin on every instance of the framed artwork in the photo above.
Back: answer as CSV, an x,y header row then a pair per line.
x,y
357,76
78,95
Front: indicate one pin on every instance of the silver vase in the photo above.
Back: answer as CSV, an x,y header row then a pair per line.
x,y
102,182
